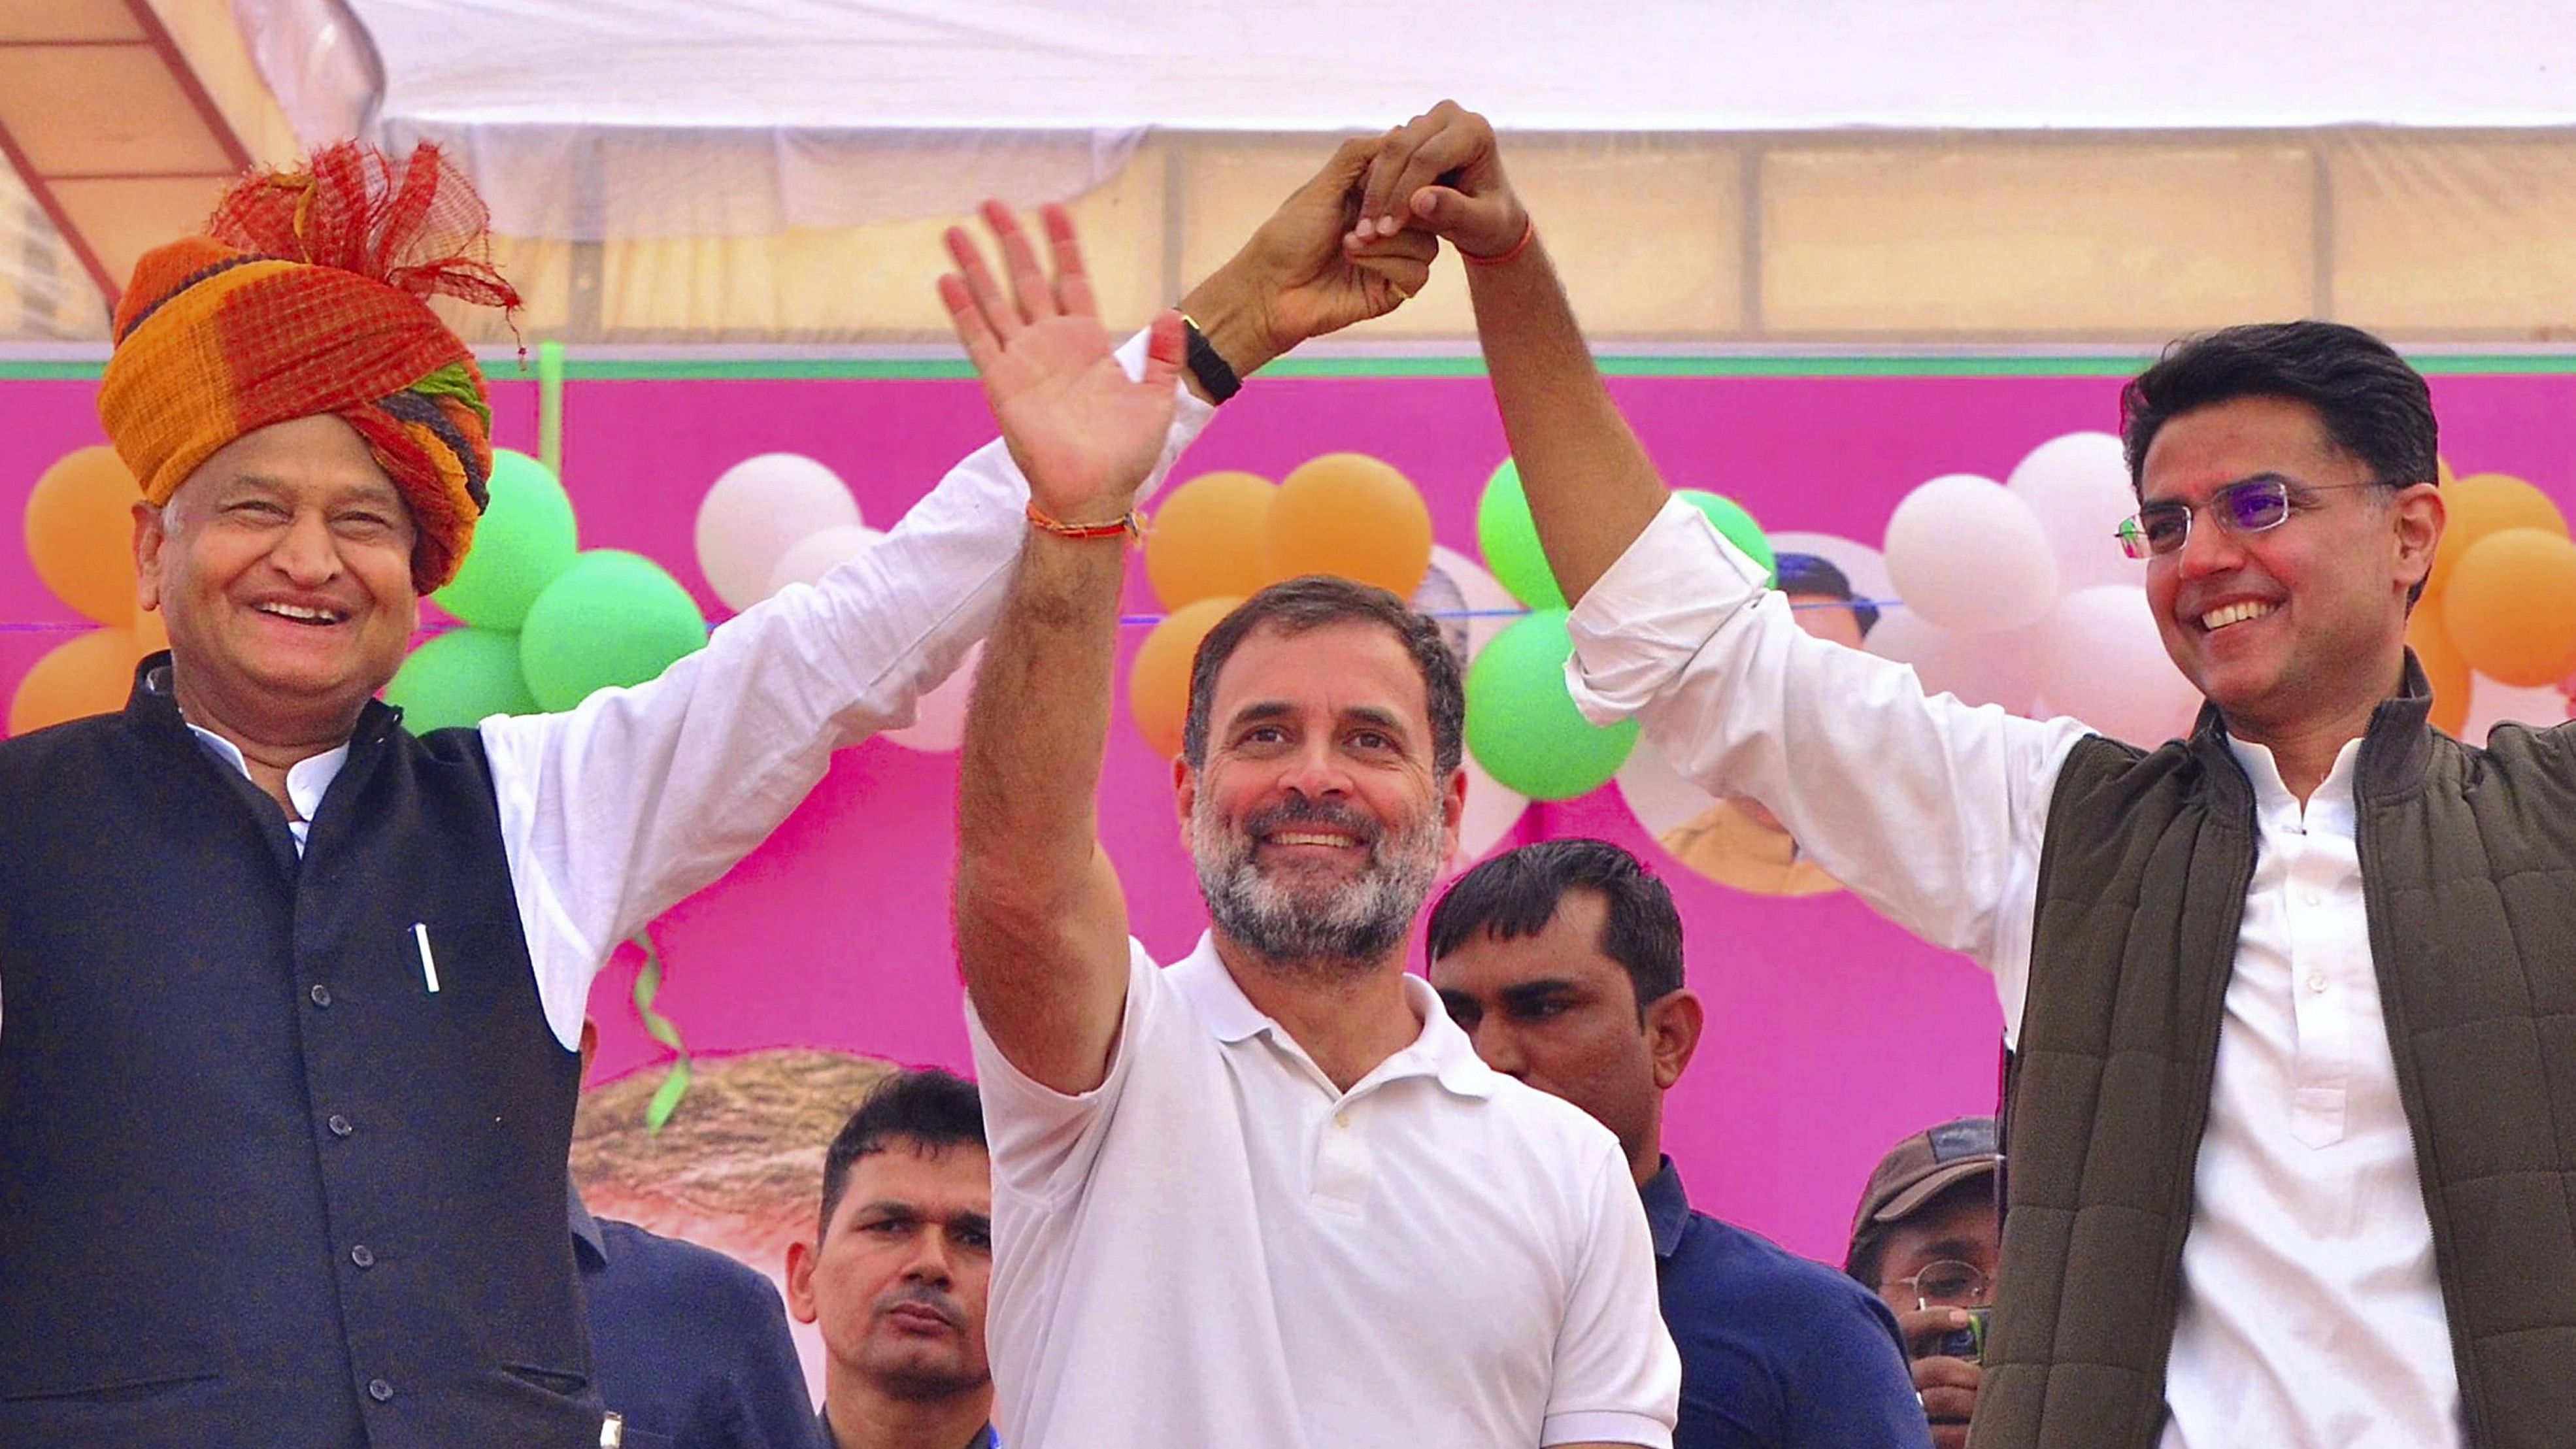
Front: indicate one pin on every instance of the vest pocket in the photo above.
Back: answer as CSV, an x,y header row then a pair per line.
x,y
108,1386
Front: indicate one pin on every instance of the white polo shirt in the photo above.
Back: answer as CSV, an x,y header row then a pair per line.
x,y
1216,1247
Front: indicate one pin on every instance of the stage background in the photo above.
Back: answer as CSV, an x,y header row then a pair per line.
x,y
1831,1033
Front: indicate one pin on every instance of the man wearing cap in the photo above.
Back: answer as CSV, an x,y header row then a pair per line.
x,y
288,1071
1924,1239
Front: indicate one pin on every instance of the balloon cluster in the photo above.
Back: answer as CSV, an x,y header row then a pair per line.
x,y
2500,604
1222,537
546,622
80,536
2015,594
778,520
1522,724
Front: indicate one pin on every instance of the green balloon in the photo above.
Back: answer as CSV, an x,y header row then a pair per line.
x,y
1736,524
1509,541
524,539
1522,724
458,678
613,618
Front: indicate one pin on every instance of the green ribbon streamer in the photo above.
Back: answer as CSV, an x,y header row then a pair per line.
x,y
648,984
550,389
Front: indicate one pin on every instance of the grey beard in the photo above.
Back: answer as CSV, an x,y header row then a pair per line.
x,y
1354,926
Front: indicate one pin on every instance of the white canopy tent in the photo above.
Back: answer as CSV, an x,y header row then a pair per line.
x,y
736,117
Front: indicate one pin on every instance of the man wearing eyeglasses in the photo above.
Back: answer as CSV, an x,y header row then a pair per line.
x,y
2294,999
1924,1241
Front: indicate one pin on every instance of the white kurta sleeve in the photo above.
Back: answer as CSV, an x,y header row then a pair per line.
x,y
617,809
1929,809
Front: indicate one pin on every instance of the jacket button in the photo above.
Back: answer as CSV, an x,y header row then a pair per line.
x,y
380,1391
364,1257
321,994
340,1126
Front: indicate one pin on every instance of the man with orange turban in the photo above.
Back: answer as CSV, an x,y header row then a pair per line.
x,y
293,995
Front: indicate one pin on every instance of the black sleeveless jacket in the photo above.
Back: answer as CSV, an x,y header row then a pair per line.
x,y
258,1183
2468,861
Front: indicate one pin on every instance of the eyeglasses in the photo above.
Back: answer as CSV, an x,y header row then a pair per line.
x,y
2252,506
1949,1282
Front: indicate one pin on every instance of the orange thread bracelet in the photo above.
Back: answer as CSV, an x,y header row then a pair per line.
x,y
1131,526
1529,233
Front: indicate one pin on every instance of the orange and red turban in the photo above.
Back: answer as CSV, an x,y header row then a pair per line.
x,y
308,295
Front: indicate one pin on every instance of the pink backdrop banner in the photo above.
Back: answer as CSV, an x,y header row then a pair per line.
x,y
1831,1033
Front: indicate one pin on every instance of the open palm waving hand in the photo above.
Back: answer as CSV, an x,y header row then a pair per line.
x,y
1084,433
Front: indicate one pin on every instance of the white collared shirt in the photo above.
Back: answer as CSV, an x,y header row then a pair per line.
x,y
614,811
2311,1316
1216,1246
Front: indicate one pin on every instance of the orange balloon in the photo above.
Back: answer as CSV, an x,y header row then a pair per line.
x,y
2485,503
1208,539
1158,683
2511,606
1352,515
80,533
91,674
2448,673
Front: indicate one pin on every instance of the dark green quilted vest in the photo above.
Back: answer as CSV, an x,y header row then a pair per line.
x,y
2468,862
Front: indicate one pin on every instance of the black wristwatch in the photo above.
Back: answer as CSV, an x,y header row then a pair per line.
x,y
1207,364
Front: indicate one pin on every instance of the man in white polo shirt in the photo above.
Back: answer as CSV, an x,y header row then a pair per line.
x,y
1267,1198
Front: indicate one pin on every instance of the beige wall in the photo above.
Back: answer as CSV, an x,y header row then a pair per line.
x,y
1849,237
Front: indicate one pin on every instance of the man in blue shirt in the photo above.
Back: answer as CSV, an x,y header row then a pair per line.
x,y
1563,963
690,1346
897,1272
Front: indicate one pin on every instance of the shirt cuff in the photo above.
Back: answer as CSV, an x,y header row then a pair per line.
x,y
1607,1426
1636,629
1190,415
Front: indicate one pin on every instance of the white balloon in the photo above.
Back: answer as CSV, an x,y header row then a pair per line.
x,y
1967,555
1492,809
2077,487
2102,661
759,509
1978,668
939,717
817,554
2492,704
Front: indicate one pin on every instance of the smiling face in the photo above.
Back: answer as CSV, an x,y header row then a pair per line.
x,y
1318,821
898,1282
282,569
2299,625
1555,1011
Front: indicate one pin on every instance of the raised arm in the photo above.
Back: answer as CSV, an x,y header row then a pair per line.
x,y
1928,809
1591,487
1041,922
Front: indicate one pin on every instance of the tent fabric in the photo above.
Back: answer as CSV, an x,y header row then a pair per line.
x,y
594,120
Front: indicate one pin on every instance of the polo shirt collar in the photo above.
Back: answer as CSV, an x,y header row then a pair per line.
x,y
1441,1050
1668,1208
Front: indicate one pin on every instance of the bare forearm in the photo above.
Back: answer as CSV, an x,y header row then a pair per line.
x,y
1041,925
1591,487
1039,721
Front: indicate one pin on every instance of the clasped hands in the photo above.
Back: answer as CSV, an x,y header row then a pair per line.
x,y
1354,242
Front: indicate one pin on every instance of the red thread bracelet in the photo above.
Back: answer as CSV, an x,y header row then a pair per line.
x,y
1529,233
1131,526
